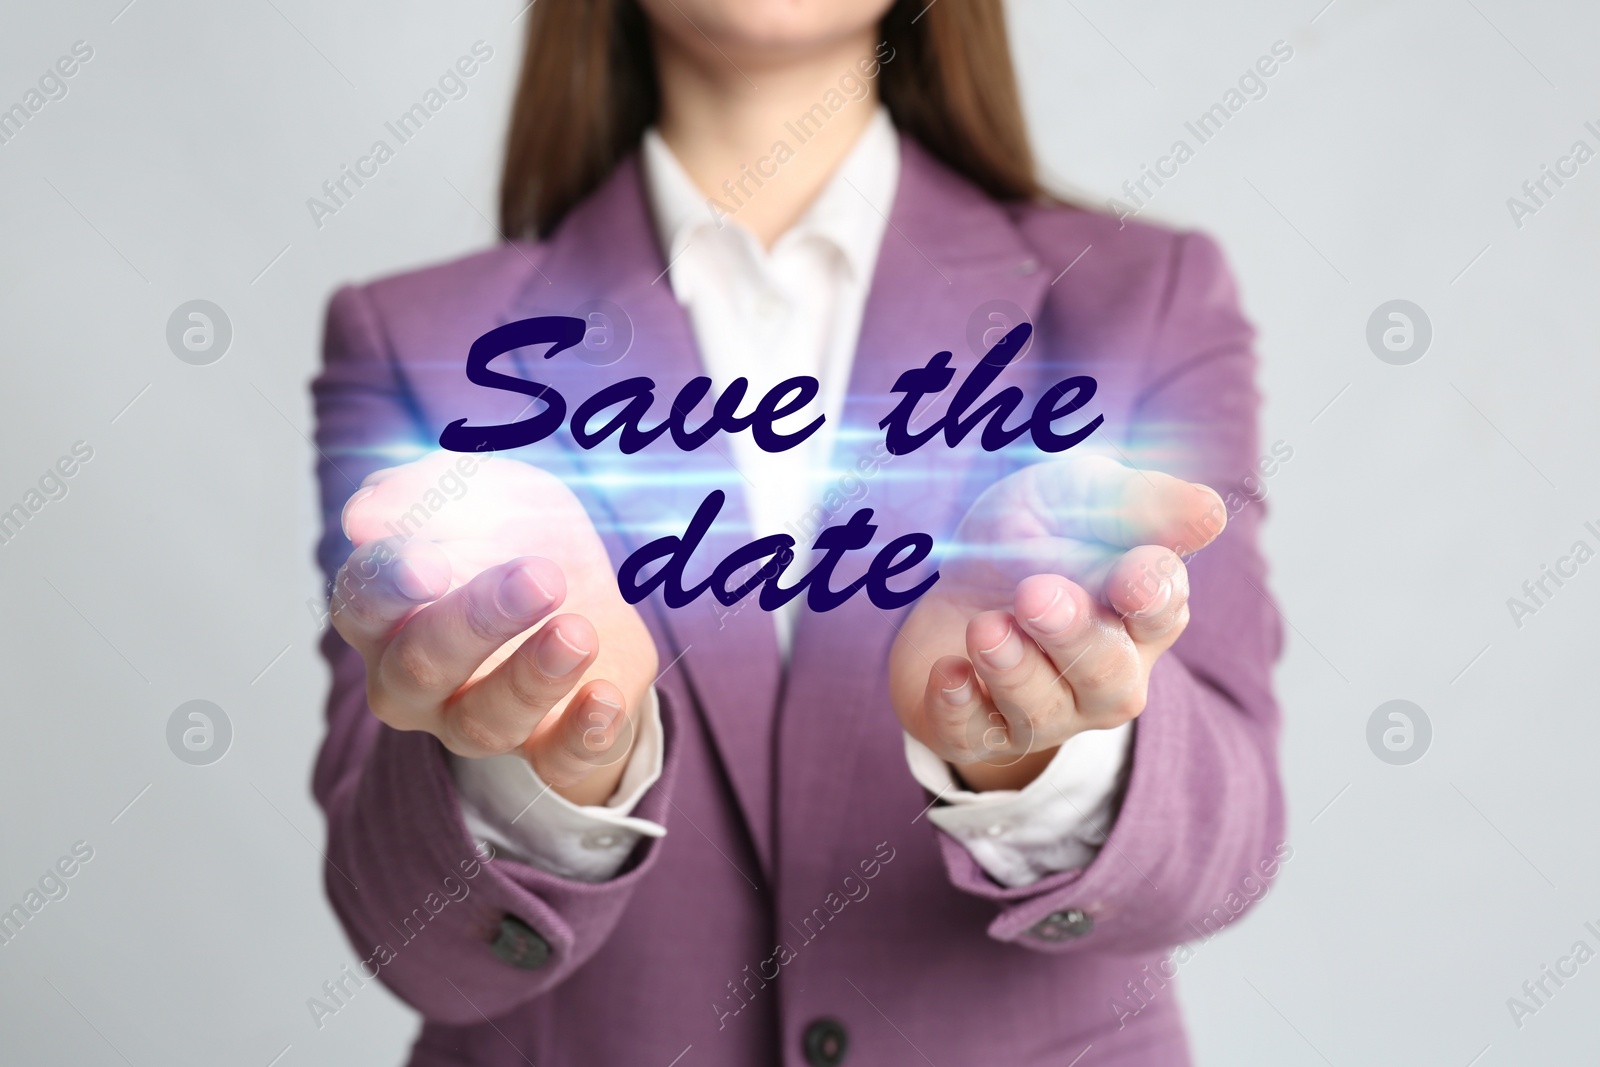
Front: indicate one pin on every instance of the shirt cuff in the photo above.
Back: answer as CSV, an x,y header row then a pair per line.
x,y
1057,822
507,804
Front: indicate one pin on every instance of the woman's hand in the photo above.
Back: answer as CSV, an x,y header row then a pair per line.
x,y
1064,584
448,597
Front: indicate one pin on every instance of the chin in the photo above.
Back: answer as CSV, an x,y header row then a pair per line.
x,y
765,27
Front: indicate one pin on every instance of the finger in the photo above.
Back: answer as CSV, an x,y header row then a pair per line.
x,y
1096,498
446,496
428,466
1149,588
437,650
1126,580
411,500
990,572
1090,649
1021,681
499,711
957,721
379,475
592,732
381,584
351,516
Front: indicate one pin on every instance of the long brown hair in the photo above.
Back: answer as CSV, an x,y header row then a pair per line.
x,y
588,92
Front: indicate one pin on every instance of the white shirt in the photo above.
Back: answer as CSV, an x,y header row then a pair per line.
x,y
767,315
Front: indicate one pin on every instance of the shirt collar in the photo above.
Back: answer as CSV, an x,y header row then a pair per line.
x,y
850,213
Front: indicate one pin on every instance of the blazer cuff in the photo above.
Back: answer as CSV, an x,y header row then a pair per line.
x,y
505,802
1057,822
1196,841
397,849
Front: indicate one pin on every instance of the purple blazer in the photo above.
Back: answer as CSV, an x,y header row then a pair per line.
x,y
801,910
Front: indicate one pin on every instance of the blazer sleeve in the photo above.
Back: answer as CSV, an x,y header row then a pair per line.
x,y
411,886
1201,825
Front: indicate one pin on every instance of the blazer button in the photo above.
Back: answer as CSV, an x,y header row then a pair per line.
x,y
518,945
1063,925
825,1043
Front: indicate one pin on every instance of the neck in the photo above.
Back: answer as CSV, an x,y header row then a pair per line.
x,y
763,153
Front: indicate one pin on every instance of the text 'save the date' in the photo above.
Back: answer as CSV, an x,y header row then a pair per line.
x,y
619,410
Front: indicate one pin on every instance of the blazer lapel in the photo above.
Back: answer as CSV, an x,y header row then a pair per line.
x,y
952,269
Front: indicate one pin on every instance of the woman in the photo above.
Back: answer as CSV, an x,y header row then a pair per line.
x,y
727,835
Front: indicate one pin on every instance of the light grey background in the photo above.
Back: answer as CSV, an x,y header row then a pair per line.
x,y
1418,500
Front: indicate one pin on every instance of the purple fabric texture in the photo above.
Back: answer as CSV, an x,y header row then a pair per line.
x,y
756,915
